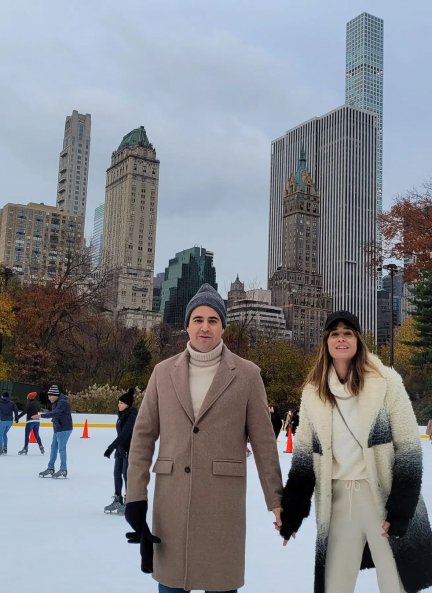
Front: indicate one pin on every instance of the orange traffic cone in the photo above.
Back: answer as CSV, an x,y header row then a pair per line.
x,y
289,443
32,438
85,434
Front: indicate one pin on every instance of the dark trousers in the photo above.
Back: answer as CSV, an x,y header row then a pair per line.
x,y
120,474
29,427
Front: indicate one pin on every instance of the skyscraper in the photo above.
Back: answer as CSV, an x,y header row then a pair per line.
x,y
297,285
183,277
97,236
74,164
364,74
129,234
340,149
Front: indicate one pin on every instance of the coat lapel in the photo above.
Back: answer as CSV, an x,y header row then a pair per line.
x,y
224,376
180,380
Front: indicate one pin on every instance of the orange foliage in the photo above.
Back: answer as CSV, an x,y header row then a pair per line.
x,y
407,231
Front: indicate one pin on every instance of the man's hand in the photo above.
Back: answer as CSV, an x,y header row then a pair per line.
x,y
277,513
108,453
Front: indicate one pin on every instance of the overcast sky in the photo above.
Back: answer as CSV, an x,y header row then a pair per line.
x,y
213,83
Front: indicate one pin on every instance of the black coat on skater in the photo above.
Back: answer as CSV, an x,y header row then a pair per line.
x,y
124,426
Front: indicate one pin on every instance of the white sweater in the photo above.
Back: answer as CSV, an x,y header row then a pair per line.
x,y
348,461
202,369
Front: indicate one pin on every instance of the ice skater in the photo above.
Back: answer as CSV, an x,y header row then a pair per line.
x,y
31,410
8,411
62,425
127,414
358,447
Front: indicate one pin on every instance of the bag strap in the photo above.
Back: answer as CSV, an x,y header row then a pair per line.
x,y
349,429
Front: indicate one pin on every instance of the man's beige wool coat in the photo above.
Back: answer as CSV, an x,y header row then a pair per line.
x,y
200,489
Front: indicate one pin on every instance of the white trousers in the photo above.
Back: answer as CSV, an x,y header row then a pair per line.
x,y
355,520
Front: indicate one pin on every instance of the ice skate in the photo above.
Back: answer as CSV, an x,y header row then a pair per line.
x,y
5,451
48,473
121,510
42,450
2,452
23,451
115,506
62,473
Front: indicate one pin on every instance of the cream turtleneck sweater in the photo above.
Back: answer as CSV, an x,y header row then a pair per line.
x,y
202,369
348,462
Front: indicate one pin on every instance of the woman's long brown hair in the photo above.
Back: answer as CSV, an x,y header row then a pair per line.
x,y
360,364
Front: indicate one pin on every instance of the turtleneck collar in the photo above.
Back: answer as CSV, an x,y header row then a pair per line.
x,y
205,358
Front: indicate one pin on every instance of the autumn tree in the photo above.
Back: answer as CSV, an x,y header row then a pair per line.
x,y
7,323
50,315
407,231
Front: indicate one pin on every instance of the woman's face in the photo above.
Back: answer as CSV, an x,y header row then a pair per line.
x,y
342,342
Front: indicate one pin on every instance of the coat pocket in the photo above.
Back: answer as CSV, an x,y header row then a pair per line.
x,y
226,467
163,466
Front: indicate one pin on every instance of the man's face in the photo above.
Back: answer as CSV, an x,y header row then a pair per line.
x,y
205,329
53,398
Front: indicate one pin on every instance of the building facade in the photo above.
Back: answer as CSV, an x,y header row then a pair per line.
x,y
296,286
74,164
129,232
36,240
236,292
186,272
254,311
340,150
97,236
364,79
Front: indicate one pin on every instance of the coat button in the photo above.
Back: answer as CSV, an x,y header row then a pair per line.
x,y
196,429
187,469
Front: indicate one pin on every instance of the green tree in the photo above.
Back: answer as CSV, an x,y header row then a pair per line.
x,y
422,314
283,368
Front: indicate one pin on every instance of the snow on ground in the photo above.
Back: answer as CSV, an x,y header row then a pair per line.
x,y
56,537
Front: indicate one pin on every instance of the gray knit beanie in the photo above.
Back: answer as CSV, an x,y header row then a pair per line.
x,y
207,295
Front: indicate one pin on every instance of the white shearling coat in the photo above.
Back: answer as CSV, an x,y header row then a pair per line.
x,y
392,453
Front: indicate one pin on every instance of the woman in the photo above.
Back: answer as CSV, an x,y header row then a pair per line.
x,y
126,420
358,446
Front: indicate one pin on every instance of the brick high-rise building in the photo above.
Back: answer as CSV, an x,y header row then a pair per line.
x,y
36,240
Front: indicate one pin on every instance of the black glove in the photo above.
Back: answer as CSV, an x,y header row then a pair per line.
x,y
108,453
135,515
287,528
398,525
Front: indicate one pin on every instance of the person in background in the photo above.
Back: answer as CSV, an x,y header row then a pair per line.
x,y
276,420
358,447
8,410
127,414
202,405
32,422
62,425
429,430
295,419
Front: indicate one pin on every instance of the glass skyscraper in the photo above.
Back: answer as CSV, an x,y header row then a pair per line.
x,y
364,78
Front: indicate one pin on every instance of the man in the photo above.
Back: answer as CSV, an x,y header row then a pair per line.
x,y
62,425
8,410
202,404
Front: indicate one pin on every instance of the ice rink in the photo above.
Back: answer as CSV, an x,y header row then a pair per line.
x,y
57,539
